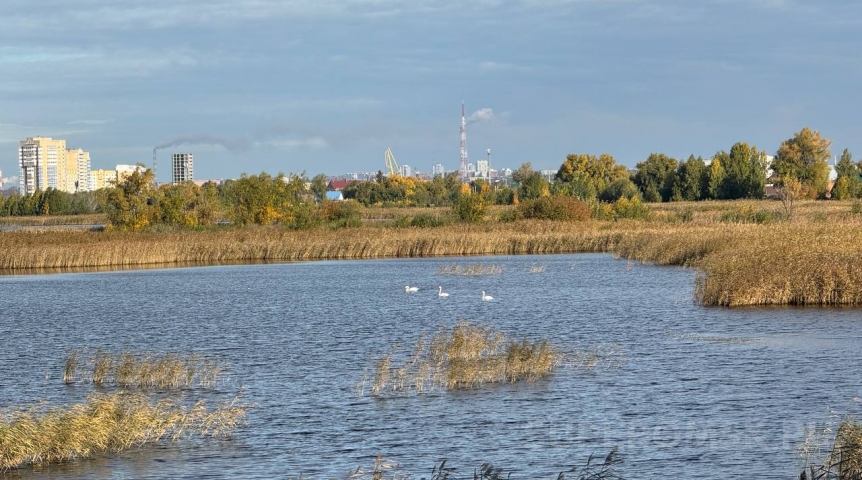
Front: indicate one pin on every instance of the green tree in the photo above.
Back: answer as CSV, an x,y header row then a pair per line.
x,y
654,177
318,187
714,179
744,172
689,180
848,183
804,157
533,186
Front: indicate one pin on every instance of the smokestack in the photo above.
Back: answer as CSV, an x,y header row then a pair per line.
x,y
155,175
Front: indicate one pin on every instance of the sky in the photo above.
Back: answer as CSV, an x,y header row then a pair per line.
x,y
326,86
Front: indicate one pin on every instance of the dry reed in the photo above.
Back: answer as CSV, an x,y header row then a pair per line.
x,y
811,260
466,356
129,370
105,424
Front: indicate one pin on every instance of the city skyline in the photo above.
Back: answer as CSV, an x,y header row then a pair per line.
x,y
327,87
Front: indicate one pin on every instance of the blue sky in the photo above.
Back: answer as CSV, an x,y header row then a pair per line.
x,y
326,86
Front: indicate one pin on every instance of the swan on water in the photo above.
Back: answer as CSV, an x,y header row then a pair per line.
x,y
486,298
409,289
441,293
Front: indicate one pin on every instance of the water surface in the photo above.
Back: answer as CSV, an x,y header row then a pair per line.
x,y
704,393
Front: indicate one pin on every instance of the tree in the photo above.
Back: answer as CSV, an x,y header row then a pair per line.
x,y
789,190
714,179
522,172
804,157
533,186
318,187
690,180
848,184
654,177
598,172
129,204
744,172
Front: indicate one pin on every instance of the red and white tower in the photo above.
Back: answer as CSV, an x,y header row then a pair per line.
x,y
463,143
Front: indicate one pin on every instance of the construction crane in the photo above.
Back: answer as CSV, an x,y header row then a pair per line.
x,y
391,164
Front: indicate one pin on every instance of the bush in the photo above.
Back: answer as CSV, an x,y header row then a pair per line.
x,y
341,210
632,209
555,208
622,188
510,215
470,208
306,216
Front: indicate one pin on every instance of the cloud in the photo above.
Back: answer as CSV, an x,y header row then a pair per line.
x,y
9,181
484,115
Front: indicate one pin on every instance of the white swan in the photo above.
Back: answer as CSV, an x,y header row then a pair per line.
x,y
441,293
486,298
409,289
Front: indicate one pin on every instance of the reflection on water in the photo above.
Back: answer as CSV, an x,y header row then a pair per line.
x,y
704,393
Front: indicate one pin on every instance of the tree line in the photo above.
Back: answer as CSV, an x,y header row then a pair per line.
x,y
609,190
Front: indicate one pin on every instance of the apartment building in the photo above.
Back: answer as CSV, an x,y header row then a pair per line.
x,y
183,168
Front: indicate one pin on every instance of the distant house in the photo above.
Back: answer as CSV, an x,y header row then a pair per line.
x,y
338,185
334,196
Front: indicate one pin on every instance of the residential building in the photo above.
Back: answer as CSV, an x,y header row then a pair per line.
x,y
437,170
406,171
101,179
123,171
77,170
41,161
183,168
482,168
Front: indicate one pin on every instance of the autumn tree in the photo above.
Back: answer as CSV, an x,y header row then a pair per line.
x,y
654,177
804,157
129,204
596,173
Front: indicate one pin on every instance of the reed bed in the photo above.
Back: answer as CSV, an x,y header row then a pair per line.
x,y
476,270
153,371
105,424
467,356
804,261
833,454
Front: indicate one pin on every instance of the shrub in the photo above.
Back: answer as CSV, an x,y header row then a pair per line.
x,y
633,209
306,216
555,208
510,215
622,188
470,208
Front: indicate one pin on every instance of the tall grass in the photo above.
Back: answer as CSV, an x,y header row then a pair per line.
x,y
834,454
105,424
804,261
160,371
466,356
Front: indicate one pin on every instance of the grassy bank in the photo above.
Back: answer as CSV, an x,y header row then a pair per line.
x,y
746,253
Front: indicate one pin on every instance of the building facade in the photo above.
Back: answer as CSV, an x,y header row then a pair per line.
x,y
41,161
183,168
46,163
101,179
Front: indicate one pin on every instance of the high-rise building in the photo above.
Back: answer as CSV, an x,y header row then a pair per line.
x,y
77,170
406,171
123,171
41,160
183,168
482,169
438,170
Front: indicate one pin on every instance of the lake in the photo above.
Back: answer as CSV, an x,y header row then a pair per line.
x,y
702,392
